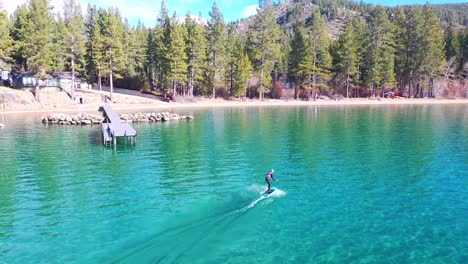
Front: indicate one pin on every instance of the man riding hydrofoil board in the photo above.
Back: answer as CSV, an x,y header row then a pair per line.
x,y
268,179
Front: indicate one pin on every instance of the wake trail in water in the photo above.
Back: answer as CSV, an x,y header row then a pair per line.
x,y
277,193
197,229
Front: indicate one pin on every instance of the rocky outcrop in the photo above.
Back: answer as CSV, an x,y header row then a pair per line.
x,y
90,119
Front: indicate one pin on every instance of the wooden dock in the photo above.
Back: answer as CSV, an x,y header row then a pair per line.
x,y
114,127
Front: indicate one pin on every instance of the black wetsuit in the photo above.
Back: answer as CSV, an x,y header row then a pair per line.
x,y
268,179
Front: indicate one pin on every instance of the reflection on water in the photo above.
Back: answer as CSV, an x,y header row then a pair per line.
x,y
365,183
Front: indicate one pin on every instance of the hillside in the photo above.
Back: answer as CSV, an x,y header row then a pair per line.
x,y
340,12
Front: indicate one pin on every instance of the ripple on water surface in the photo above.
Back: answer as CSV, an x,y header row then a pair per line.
x,y
359,184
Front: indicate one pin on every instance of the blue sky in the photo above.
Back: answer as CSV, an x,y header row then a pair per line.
x,y
147,10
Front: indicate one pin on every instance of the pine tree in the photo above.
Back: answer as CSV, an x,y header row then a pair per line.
x,y
74,42
265,40
163,53
129,43
452,45
59,40
463,65
362,35
89,25
296,55
408,23
95,49
234,50
34,31
244,74
347,65
316,65
6,42
140,35
19,18
136,46
195,42
176,56
113,40
433,50
379,64
216,48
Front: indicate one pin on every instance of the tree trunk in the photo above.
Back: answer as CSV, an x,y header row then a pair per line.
x,y
347,86
261,79
409,88
111,85
192,74
110,76
36,91
73,71
73,79
295,91
314,80
213,93
99,80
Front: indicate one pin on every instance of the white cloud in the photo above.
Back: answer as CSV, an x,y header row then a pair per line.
x,y
249,11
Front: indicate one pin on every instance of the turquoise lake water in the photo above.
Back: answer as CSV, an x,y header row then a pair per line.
x,y
370,184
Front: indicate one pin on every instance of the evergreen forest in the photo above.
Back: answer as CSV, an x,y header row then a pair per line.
x,y
305,47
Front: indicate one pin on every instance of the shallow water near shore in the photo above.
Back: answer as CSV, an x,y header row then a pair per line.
x,y
385,184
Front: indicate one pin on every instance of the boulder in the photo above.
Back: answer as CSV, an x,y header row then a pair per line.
x,y
86,122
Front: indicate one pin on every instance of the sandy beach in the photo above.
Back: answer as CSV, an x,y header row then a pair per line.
x,y
209,103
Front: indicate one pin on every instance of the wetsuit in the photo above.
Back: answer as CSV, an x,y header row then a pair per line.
x,y
268,179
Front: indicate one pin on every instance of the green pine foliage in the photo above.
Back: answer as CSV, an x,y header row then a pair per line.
x,y
59,48
296,55
433,58
265,44
216,49
355,48
196,50
113,33
33,34
244,74
317,62
177,58
6,42
73,38
348,63
380,57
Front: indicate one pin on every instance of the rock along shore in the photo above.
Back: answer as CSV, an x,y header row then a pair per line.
x,y
90,119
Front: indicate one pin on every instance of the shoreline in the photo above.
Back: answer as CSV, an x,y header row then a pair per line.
x,y
217,103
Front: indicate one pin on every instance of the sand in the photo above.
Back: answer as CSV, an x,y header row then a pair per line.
x,y
209,103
